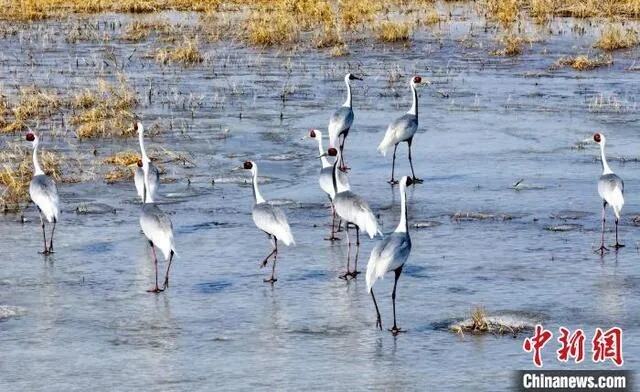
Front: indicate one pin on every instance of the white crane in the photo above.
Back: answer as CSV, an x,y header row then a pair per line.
x,y
341,121
270,219
44,194
390,254
352,209
326,180
154,174
158,229
403,129
610,189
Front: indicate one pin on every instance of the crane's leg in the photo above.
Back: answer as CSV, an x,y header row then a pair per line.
x,y
155,289
355,271
602,248
378,320
346,274
51,239
393,165
333,223
343,167
617,245
272,279
415,179
395,330
339,229
266,259
44,235
166,276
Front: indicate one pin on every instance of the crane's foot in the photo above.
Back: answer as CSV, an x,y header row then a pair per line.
x,y
417,180
332,238
395,330
46,252
349,275
155,290
379,323
344,169
618,245
264,262
271,280
165,285
354,274
602,249
392,181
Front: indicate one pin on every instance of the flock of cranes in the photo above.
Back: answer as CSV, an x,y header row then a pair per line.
x,y
353,211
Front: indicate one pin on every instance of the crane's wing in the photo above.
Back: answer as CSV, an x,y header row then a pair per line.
x,y
340,121
272,220
611,189
157,227
399,130
388,255
44,193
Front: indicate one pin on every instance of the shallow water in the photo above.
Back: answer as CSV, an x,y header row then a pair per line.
x,y
83,319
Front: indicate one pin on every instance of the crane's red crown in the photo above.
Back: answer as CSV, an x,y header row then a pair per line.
x,y
248,165
597,137
417,79
332,152
31,137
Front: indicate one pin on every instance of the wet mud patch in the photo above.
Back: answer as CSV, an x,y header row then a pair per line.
x,y
212,287
425,224
569,215
477,216
94,209
480,322
563,227
8,311
415,271
204,226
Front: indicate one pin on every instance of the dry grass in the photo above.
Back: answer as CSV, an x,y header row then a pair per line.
x,y
106,111
186,54
118,174
34,104
354,13
124,158
512,45
393,31
16,171
584,62
269,29
140,30
431,17
503,11
615,37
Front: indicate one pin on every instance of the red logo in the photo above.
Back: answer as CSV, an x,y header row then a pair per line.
x,y
604,345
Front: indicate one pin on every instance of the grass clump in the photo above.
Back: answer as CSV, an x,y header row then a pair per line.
x,y
34,103
479,323
584,62
615,37
186,54
140,30
124,158
511,45
354,13
504,12
106,111
270,29
394,31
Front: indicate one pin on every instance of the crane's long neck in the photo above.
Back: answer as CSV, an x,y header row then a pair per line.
x,y
323,158
143,152
36,166
414,106
403,225
347,103
337,186
148,197
605,166
256,192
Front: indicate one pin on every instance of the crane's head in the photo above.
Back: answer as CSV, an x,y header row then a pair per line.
x,y
332,152
408,181
139,163
313,133
351,76
137,126
598,137
419,80
31,137
248,165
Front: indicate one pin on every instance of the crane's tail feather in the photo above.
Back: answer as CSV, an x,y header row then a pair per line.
x,y
386,142
373,273
371,225
287,238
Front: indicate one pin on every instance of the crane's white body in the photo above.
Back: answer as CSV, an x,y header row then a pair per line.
x,y
155,224
392,251
326,172
403,128
610,185
270,219
342,119
42,189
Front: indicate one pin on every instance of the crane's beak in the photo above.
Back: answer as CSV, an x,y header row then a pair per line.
x,y
357,77
324,154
